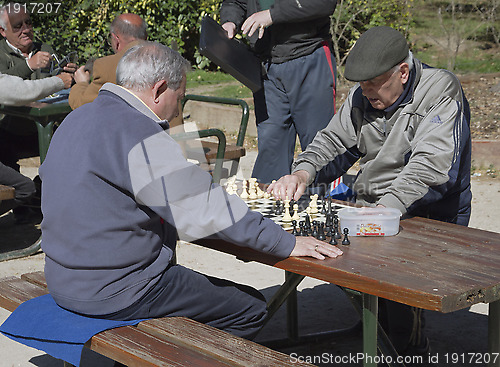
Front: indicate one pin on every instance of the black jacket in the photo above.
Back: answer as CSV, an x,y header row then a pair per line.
x,y
299,26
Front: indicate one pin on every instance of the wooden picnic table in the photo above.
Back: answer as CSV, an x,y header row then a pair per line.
x,y
428,264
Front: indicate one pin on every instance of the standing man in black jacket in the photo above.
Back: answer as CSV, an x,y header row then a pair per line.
x,y
293,40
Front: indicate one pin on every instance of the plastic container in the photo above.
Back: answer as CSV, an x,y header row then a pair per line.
x,y
370,221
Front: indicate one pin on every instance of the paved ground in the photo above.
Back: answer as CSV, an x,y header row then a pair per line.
x,y
322,306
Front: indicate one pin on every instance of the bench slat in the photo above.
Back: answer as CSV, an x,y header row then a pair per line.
x,y
133,347
14,291
214,342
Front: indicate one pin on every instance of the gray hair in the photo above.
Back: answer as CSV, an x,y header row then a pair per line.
x,y
122,27
8,7
149,62
408,60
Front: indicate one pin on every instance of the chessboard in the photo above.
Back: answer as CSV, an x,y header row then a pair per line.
x,y
309,216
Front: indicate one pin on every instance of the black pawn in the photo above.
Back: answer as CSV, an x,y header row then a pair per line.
x,y
321,232
346,241
294,230
336,229
333,241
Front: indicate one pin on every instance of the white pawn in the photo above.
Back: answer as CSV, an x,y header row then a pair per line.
x,y
287,217
252,191
314,203
244,192
296,215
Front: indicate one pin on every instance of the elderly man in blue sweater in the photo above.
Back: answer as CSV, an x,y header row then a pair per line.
x,y
118,193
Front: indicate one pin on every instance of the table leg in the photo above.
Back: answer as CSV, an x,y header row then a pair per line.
x,y
44,137
370,321
291,311
494,334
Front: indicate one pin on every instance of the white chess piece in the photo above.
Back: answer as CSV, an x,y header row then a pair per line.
x,y
296,215
252,191
313,204
287,217
244,192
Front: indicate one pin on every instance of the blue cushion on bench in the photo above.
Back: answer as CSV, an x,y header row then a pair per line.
x,y
40,323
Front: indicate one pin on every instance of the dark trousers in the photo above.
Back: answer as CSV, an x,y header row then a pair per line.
x,y
235,308
24,186
297,99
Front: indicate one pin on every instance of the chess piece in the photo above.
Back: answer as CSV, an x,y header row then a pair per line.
x,y
287,217
321,232
314,229
346,241
244,192
252,190
314,203
294,228
336,229
333,241
295,215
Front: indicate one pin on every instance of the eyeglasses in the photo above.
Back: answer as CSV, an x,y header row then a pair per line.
x,y
19,26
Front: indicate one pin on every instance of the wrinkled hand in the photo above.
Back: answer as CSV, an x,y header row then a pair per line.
x,y
310,246
82,75
39,60
70,68
260,21
230,29
289,186
66,78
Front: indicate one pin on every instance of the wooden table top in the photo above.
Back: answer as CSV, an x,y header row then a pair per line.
x,y
428,264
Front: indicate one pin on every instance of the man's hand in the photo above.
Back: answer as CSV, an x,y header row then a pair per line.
x,y
310,246
230,29
82,75
260,21
290,186
39,60
66,78
70,68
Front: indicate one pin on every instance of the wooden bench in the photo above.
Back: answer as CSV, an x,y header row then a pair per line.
x,y
6,192
170,341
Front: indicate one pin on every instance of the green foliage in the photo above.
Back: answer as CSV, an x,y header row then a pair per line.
x,y
84,25
353,17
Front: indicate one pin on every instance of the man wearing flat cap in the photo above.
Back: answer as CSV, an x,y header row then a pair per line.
x,y
408,125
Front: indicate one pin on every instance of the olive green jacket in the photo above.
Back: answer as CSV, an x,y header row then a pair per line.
x,y
12,63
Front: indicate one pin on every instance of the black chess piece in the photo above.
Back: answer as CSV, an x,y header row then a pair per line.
x,y
333,241
302,230
307,225
294,230
279,208
321,232
346,241
314,229
336,229
323,207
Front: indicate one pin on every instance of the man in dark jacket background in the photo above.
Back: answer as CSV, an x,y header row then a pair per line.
x,y
293,40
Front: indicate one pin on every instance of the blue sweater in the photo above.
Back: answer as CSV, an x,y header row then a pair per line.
x,y
116,193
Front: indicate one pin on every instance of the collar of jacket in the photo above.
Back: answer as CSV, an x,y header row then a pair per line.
x,y
132,100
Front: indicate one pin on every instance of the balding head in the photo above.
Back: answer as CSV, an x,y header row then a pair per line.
x,y
127,28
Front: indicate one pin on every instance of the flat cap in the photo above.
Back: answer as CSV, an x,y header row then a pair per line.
x,y
375,52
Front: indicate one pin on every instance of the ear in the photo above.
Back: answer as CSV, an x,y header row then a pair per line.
x,y
159,88
2,32
405,72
